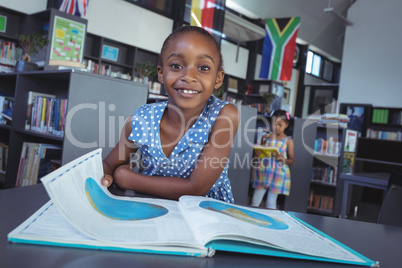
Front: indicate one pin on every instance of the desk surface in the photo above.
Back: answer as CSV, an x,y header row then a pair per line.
x,y
377,242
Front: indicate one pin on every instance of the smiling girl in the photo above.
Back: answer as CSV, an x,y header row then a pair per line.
x,y
185,142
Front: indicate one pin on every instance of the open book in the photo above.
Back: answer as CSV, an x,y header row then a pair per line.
x,y
265,151
83,213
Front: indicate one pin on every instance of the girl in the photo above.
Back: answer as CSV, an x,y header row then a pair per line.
x,y
185,142
273,173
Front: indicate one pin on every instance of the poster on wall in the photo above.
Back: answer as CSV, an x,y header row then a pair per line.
x,y
67,44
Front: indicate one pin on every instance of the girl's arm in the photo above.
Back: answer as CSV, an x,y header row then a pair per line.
x,y
119,155
207,170
290,153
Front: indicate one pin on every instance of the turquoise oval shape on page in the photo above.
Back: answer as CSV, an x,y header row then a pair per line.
x,y
244,215
120,209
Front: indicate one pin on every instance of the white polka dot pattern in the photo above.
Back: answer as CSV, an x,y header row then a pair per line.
x,y
181,162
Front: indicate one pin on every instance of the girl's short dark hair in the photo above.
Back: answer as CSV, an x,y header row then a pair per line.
x,y
186,29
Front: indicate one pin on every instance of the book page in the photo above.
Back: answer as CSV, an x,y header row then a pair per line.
x,y
76,190
49,227
212,219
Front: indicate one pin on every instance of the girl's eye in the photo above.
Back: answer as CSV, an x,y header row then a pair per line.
x,y
204,68
176,66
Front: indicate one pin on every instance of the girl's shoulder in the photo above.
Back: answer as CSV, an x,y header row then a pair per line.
x,y
150,108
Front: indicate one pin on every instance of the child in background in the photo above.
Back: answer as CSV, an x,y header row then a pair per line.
x,y
273,173
185,142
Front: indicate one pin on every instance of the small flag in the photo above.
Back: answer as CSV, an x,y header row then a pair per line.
x,y
279,48
202,14
74,7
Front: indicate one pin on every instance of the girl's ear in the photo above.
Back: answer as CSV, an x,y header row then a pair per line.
x,y
219,79
160,73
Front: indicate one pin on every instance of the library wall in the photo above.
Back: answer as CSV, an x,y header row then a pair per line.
x,y
232,66
24,6
371,64
127,23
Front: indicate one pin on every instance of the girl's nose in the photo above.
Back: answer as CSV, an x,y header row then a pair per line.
x,y
190,75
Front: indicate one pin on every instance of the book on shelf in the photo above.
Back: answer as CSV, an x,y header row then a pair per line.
x,y
348,162
9,52
380,116
6,106
384,135
37,160
3,157
321,202
82,213
330,146
327,174
265,151
45,113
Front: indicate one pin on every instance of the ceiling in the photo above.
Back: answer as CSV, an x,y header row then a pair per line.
x,y
319,29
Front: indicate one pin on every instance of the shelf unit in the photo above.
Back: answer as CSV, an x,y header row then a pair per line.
x,y
325,192
127,57
385,123
95,115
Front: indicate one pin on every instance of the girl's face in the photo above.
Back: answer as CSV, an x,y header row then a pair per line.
x,y
190,71
279,125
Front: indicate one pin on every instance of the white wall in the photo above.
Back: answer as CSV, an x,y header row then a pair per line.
x,y
25,6
232,66
128,23
372,56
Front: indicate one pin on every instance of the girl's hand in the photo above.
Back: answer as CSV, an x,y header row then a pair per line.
x,y
279,157
107,180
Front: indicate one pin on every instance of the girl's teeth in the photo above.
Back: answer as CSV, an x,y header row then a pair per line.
x,y
189,91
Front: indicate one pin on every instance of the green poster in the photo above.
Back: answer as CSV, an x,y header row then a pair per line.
x,y
3,23
67,42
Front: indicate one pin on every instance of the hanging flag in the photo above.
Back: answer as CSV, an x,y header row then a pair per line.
x,y
202,13
279,48
208,14
74,7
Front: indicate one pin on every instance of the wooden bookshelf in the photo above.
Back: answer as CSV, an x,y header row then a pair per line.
x,y
95,108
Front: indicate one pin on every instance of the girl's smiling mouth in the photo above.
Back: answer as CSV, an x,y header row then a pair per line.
x,y
187,91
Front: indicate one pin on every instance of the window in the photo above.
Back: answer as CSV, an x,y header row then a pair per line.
x,y
322,67
328,70
313,65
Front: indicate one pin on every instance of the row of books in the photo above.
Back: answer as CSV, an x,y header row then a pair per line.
x,y
341,120
9,52
6,106
380,116
326,174
103,69
3,157
233,100
331,146
45,113
384,135
37,160
321,202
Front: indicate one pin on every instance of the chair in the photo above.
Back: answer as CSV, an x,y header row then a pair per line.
x,y
391,209
395,178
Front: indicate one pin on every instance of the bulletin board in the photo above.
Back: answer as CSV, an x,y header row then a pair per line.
x,y
67,43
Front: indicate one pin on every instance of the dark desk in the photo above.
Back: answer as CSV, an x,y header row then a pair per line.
x,y
377,242
373,180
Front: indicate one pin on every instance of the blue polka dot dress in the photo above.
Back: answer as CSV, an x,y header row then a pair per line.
x,y
181,162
